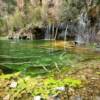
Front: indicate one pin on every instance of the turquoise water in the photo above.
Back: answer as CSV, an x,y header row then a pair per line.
x,y
34,56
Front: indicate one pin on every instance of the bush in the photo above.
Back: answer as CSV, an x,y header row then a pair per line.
x,y
16,20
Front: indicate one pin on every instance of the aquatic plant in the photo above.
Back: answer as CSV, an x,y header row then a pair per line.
x,y
49,86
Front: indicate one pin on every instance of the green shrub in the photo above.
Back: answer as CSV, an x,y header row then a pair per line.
x,y
48,86
16,20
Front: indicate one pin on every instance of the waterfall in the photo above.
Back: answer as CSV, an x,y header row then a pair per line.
x,y
82,23
66,33
79,39
47,33
50,32
56,32
83,29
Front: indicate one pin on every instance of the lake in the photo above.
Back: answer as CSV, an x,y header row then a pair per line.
x,y
39,56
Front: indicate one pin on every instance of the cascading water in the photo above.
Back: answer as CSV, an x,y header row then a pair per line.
x,y
66,33
55,37
83,29
47,33
79,39
50,32
82,24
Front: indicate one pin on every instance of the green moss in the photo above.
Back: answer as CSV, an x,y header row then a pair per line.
x,y
98,73
48,86
8,76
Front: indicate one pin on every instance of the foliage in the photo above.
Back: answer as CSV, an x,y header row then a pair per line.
x,y
10,6
44,87
41,86
31,16
1,24
34,15
71,9
16,20
50,85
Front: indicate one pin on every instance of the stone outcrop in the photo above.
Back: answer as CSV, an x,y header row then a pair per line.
x,y
51,9
28,34
21,34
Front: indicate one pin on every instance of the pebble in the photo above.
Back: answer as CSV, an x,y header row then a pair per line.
x,y
7,97
53,98
13,84
97,98
37,98
60,88
76,98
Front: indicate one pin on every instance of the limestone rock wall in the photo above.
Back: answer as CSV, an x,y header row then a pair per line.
x,y
49,8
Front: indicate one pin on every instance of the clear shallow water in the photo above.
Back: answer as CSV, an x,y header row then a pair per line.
x,y
33,55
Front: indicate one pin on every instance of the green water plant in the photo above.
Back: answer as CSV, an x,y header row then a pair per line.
x,y
49,86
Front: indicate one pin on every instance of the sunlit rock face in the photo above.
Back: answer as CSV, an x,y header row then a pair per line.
x,y
98,37
2,7
36,2
20,4
50,9
82,28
